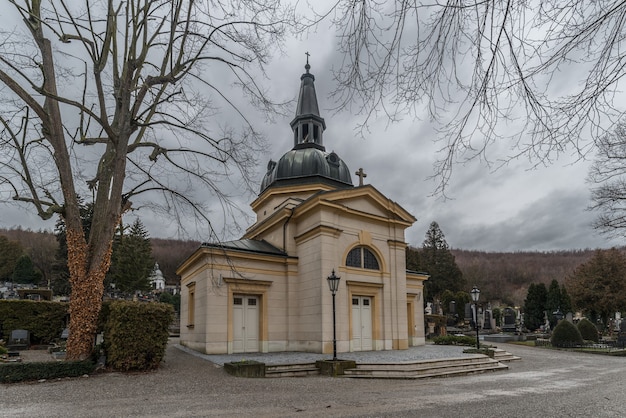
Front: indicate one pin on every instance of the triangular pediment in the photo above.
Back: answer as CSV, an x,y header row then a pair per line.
x,y
365,200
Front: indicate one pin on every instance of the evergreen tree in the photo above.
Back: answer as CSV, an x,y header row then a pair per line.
x,y
131,262
437,261
535,306
24,271
553,301
10,252
174,300
566,301
412,259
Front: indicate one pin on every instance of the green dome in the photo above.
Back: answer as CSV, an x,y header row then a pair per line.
x,y
306,164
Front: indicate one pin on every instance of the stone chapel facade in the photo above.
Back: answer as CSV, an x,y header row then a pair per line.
x,y
268,291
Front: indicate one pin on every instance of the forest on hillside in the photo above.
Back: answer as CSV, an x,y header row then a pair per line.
x,y
506,276
501,276
42,248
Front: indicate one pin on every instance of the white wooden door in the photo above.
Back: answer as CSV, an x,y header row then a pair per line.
x,y
245,324
361,323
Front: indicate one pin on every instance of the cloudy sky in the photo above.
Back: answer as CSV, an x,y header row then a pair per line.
x,y
514,208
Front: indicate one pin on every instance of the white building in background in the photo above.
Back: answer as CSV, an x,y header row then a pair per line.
x,y
156,279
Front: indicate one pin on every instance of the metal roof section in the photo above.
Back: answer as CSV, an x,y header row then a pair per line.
x,y
308,162
307,99
247,245
307,165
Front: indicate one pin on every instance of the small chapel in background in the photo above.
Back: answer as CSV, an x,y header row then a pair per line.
x,y
268,291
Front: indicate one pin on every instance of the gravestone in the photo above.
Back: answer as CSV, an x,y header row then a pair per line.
x,y
570,317
509,320
452,307
437,309
19,340
487,319
453,318
621,337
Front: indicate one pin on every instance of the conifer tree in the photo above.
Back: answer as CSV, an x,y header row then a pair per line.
x,y
131,262
24,271
535,306
553,301
566,301
436,259
10,252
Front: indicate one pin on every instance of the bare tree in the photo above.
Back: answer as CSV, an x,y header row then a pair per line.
x,y
608,174
545,75
113,99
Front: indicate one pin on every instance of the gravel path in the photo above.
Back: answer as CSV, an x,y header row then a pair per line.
x,y
546,383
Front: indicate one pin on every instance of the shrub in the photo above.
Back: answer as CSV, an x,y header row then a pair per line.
x,y
19,372
566,334
455,340
136,334
588,330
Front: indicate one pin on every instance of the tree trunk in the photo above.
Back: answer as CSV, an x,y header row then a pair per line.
x,y
86,296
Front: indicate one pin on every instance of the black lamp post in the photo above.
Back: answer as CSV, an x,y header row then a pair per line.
x,y
333,284
475,295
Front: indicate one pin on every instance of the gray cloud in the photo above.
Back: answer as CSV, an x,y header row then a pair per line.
x,y
509,209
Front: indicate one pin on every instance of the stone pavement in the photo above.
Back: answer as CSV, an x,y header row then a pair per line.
x,y
425,352
29,356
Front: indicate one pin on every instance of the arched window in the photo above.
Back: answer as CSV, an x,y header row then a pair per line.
x,y
362,257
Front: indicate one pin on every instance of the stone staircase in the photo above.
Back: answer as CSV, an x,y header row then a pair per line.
x,y
476,363
291,370
502,355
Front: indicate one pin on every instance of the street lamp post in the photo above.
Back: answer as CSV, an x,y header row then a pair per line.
x,y
475,295
333,284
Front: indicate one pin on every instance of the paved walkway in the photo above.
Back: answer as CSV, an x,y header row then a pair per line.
x,y
424,352
546,383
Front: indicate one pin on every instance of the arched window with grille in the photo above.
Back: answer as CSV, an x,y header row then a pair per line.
x,y
362,257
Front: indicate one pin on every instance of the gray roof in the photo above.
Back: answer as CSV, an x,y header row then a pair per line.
x,y
307,100
305,165
308,162
247,245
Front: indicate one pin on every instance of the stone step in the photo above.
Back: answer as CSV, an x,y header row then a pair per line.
x,y
291,370
502,355
428,368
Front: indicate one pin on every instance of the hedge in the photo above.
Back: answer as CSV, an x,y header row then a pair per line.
x,y
45,320
455,340
19,372
136,334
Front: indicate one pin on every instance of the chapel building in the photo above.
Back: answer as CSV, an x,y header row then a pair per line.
x,y
268,291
